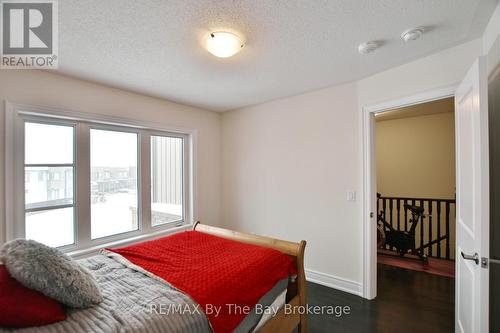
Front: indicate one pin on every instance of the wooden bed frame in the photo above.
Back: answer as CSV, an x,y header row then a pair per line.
x,y
296,294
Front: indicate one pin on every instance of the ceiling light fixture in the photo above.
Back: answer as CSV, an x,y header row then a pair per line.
x,y
224,44
412,34
367,47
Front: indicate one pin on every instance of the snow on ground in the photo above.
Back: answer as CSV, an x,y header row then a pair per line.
x,y
112,216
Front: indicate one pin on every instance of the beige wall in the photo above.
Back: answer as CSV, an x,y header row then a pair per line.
x,y
47,89
416,159
416,156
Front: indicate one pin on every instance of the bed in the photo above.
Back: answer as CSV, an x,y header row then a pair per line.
x,y
296,295
138,298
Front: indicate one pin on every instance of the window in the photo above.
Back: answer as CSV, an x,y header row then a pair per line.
x,y
114,197
49,204
166,179
87,182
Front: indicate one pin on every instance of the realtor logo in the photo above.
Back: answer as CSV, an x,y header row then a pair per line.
x,y
28,34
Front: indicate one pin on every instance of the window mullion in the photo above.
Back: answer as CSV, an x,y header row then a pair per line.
x,y
19,229
188,174
145,181
82,201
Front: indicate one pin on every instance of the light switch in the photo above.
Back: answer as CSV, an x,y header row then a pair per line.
x,y
351,196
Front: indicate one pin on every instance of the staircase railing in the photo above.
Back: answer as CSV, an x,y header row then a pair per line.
x,y
438,222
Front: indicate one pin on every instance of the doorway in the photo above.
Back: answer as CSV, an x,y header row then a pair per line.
x,y
415,211
416,192
472,193
371,201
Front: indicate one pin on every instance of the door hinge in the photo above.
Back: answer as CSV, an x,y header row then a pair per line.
x,y
484,262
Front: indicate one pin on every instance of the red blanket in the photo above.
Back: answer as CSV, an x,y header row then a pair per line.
x,y
214,271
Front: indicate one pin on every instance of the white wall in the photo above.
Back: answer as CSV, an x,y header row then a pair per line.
x,y
438,70
288,164
492,31
48,89
491,40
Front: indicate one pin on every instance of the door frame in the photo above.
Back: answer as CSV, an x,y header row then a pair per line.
x,y
369,261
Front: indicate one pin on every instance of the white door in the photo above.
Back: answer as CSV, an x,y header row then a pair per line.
x,y
471,126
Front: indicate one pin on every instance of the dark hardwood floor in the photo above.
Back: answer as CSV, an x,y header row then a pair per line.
x,y
407,301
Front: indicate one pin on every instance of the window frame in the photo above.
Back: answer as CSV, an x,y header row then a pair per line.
x,y
102,127
185,163
74,165
17,114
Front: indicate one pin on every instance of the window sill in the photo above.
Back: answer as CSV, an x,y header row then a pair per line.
x,y
87,252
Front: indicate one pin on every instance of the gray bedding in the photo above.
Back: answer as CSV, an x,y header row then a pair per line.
x,y
138,301
132,303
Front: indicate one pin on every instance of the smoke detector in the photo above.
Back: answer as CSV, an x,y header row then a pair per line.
x,y
412,34
368,47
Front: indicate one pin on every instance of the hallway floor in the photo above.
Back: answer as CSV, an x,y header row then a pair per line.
x,y
407,301
435,266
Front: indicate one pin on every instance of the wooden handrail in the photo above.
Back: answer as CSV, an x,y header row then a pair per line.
x,y
418,199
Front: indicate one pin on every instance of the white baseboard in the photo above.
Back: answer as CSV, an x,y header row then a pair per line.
x,y
334,282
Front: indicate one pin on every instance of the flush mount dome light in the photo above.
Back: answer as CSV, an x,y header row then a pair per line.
x,y
224,44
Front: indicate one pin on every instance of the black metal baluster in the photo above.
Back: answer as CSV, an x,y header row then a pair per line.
x,y
413,203
447,216
378,207
438,227
398,208
406,216
422,226
438,247
430,228
390,210
384,206
441,243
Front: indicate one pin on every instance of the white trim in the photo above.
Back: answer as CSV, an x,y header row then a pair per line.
x,y
335,282
82,177
192,144
13,201
128,241
426,96
145,213
369,268
9,171
369,262
96,118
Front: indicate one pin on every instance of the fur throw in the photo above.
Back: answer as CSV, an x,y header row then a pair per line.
x,y
50,272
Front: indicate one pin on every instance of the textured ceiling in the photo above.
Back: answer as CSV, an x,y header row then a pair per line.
x,y
293,46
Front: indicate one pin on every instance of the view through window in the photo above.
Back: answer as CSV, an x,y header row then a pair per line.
x,y
166,179
114,199
83,182
49,187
